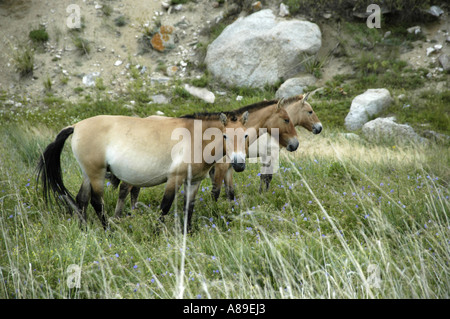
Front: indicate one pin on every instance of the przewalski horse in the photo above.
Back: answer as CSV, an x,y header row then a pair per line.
x,y
301,114
142,152
267,115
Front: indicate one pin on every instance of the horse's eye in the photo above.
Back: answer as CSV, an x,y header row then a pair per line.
x,y
310,112
286,121
246,136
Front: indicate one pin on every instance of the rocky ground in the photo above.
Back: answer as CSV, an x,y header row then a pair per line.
x,y
161,42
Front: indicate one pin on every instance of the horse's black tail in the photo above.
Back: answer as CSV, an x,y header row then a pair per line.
x,y
49,170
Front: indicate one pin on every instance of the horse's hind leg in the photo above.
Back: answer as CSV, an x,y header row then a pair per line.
x,y
83,197
190,191
124,190
97,185
134,193
172,187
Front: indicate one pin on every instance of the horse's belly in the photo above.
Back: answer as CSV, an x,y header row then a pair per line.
x,y
142,170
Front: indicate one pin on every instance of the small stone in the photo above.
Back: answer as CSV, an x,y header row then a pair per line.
x,y
163,38
435,11
89,79
444,60
284,10
172,70
118,62
160,99
416,29
256,6
165,5
201,93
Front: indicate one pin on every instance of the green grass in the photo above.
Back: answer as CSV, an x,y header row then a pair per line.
x,y
328,225
39,35
82,45
23,59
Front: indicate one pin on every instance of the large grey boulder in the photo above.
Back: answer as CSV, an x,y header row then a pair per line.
x,y
386,129
295,86
260,49
366,105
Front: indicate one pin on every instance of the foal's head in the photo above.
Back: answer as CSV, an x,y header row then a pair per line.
x,y
301,113
235,136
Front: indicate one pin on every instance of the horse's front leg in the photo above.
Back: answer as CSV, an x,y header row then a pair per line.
x,y
266,173
217,174
190,190
229,186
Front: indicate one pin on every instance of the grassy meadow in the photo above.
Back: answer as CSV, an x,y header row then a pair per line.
x,y
343,218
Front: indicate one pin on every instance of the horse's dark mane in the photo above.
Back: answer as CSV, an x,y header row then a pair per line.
x,y
233,114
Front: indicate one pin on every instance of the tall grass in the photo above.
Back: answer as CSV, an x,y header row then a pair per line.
x,y
343,219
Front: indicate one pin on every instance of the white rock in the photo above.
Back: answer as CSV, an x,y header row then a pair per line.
x,y
416,29
430,50
159,113
239,98
165,5
118,62
366,105
295,86
201,93
284,10
160,99
444,60
386,129
89,79
260,49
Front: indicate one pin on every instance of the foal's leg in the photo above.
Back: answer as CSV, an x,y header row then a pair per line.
x,y
124,190
190,191
229,186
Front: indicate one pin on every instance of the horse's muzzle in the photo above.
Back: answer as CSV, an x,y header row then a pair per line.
x,y
238,162
317,128
292,145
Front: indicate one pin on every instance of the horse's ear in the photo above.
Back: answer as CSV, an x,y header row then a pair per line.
x,y
305,97
244,118
223,119
280,104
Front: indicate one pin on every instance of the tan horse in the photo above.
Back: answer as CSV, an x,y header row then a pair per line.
x,y
301,114
143,152
267,115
